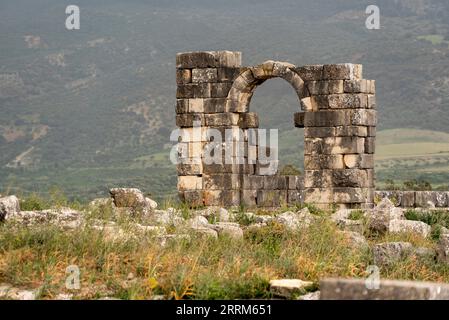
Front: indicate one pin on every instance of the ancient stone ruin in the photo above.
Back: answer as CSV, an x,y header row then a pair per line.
x,y
336,108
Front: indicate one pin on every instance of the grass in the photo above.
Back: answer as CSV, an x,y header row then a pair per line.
x,y
192,268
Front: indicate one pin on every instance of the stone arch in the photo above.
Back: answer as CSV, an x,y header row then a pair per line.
x,y
245,83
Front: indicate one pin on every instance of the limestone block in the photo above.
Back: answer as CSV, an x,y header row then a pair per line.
x,y
202,90
250,182
209,59
271,198
319,102
327,118
189,169
190,183
356,86
356,289
226,181
350,195
204,75
350,178
319,132
371,101
347,71
343,145
313,146
220,90
408,199
335,86
318,179
213,198
227,74
196,105
370,145
372,86
183,76
195,134
182,106
193,197
221,119
249,120
184,91
347,101
249,198
295,182
349,131
188,120
306,104
214,105
318,87
289,288
310,72
371,131
318,195
363,161
324,161
299,119
363,117
295,197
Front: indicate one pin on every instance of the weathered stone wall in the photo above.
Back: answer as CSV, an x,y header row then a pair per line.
x,y
337,111
415,199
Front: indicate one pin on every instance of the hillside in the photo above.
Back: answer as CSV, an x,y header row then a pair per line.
x,y
86,110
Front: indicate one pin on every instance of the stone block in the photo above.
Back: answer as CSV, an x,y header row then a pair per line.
x,y
323,161
370,145
249,198
249,120
295,197
202,90
347,101
347,71
299,119
362,161
356,86
222,119
271,198
196,105
408,199
295,182
209,59
343,145
185,91
327,118
189,169
250,182
363,117
318,87
183,76
193,197
190,183
352,178
350,131
188,120
319,103
310,73
318,195
319,132
371,131
220,90
371,101
204,75
214,105
318,179
350,195
221,181
227,74
356,289
182,106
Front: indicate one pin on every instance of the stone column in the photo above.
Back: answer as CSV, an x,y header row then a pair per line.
x,y
203,83
340,129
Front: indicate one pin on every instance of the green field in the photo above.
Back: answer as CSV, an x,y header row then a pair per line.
x,y
405,154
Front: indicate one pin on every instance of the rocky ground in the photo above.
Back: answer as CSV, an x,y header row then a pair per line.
x,y
127,248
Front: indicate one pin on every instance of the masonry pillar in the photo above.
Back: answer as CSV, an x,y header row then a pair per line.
x,y
340,128
203,83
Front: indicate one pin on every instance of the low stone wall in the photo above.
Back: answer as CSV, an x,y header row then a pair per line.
x,y
415,199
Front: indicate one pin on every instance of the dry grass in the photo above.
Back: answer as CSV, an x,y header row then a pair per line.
x,y
199,268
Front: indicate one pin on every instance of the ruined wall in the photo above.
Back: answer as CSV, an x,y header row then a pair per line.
x,y
336,109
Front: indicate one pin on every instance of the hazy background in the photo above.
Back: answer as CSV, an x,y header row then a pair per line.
x,y
90,109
